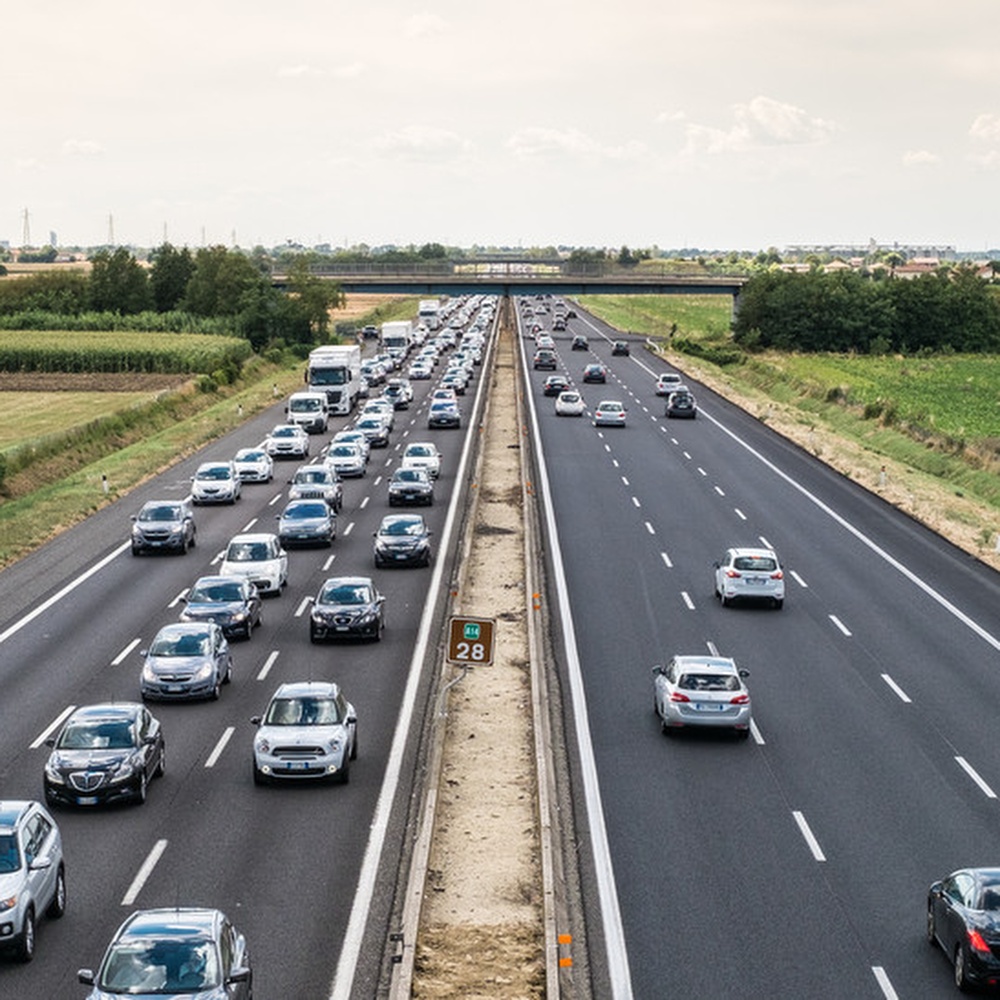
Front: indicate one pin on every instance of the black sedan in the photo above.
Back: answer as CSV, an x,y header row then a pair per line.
x,y
963,916
104,753
620,348
348,607
230,601
580,343
555,384
681,404
410,486
594,373
402,540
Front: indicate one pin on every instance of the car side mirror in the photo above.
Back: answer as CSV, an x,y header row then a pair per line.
x,y
744,673
658,669
144,652
716,564
85,976
50,742
255,719
134,517
351,720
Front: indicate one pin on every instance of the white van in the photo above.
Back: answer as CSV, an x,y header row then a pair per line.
x,y
309,410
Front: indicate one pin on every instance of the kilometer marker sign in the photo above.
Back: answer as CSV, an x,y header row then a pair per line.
x,y
470,640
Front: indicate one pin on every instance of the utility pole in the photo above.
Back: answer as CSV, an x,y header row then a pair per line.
x,y
111,231
25,232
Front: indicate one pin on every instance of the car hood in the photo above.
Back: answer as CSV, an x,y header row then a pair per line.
x,y
176,664
250,570
400,541
211,609
159,525
348,610
90,760
217,993
303,523
297,736
10,883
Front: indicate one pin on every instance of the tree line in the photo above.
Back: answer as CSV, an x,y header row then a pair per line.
x,y
214,289
844,311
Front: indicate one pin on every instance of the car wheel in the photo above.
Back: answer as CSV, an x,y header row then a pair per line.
x,y
961,969
248,630
136,551
743,734
216,689
724,601
24,946
140,792
345,772
354,746
779,603
259,778
194,539
931,934
58,905
161,764
228,677
313,636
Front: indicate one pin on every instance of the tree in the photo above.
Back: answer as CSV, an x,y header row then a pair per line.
x,y
118,283
432,251
221,281
169,276
316,296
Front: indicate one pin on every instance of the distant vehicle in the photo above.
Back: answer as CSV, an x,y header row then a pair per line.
x,y
544,342
749,574
186,660
312,482
594,373
287,441
347,607
374,427
620,348
232,602
697,691
681,403
570,404
351,435
32,873
444,413
307,522
545,359
397,338
609,413
963,913
177,952
254,465
580,343
345,459
558,323
422,455
554,385
408,485
310,410
215,482
259,558
163,526
402,540
667,383
429,313
103,754
309,730
336,370
399,393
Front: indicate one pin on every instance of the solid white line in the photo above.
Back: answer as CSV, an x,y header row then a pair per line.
x,y
250,523
268,663
650,528
666,560
301,609
740,514
117,661
144,872
60,594
686,597
798,579
883,980
843,628
902,695
972,773
220,746
179,598
52,727
813,843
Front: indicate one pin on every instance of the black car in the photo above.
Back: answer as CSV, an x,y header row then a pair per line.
x,y
963,916
163,526
545,358
620,348
594,373
681,404
580,343
408,485
555,384
231,602
307,522
104,753
402,540
348,607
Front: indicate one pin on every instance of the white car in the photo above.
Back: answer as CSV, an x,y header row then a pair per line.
x,y
668,382
569,403
259,558
287,441
254,465
422,455
345,459
381,407
317,481
697,691
751,574
609,413
215,482
351,436
309,730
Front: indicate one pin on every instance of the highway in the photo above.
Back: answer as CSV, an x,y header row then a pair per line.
x,y
794,864
283,862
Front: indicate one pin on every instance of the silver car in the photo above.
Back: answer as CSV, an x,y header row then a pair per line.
x,y
317,482
215,482
32,873
609,413
163,525
307,522
186,660
345,459
750,574
309,730
254,465
702,691
287,441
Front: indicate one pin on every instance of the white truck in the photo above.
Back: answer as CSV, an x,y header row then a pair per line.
x,y
429,314
397,338
309,410
336,371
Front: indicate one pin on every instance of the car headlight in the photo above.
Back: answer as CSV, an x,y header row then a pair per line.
x,y
238,616
54,775
148,673
262,746
203,672
366,618
123,771
8,904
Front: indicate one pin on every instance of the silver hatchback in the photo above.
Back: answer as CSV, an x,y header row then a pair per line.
x,y
702,691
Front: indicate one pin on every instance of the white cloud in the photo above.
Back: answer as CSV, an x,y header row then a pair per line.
x,y
349,71
919,157
424,24
986,127
987,161
421,142
761,123
81,147
298,72
665,117
534,142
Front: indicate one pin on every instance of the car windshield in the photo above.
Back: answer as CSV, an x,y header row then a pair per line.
x,y
10,854
285,432
207,593
408,476
346,593
215,472
709,682
419,450
303,711
96,736
147,965
247,552
180,645
761,564
408,527
304,511
250,456
344,450
163,512
304,405
312,476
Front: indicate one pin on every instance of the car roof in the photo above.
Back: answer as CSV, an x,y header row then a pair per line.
x,y
11,811
255,536
707,664
179,922
108,710
186,628
741,551
398,518
296,689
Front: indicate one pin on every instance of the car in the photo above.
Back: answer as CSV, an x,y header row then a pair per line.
x,y
570,404
610,413
409,485
104,753
422,455
456,381
558,323
317,482
287,441
667,383
375,428
259,558
619,348
308,730
545,359
420,370
702,691
570,313
307,522
580,343
232,602
380,406
681,403
399,393
345,459
254,465
164,526
351,436
186,660
179,951
554,384
963,917
215,482
594,373
374,371
544,342
444,413
749,574
402,540
347,607
32,873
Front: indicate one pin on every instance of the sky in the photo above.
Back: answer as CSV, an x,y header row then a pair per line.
x,y
717,124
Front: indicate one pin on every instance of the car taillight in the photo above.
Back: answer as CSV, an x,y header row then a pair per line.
x,y
977,943
740,699
732,574
677,696
777,576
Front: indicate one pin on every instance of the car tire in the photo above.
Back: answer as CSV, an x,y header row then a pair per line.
x,y
140,792
161,765
248,630
779,603
259,778
228,676
345,772
354,746
961,970
931,934
313,636
723,600
136,551
57,907
24,944
742,734
216,690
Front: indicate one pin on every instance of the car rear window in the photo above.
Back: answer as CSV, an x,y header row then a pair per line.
x,y
760,563
708,682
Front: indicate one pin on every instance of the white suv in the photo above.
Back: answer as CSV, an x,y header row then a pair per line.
x,y
32,874
750,574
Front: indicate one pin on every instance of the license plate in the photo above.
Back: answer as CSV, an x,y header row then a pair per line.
x,y
175,688
400,555
757,581
709,706
296,766
86,800
341,628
